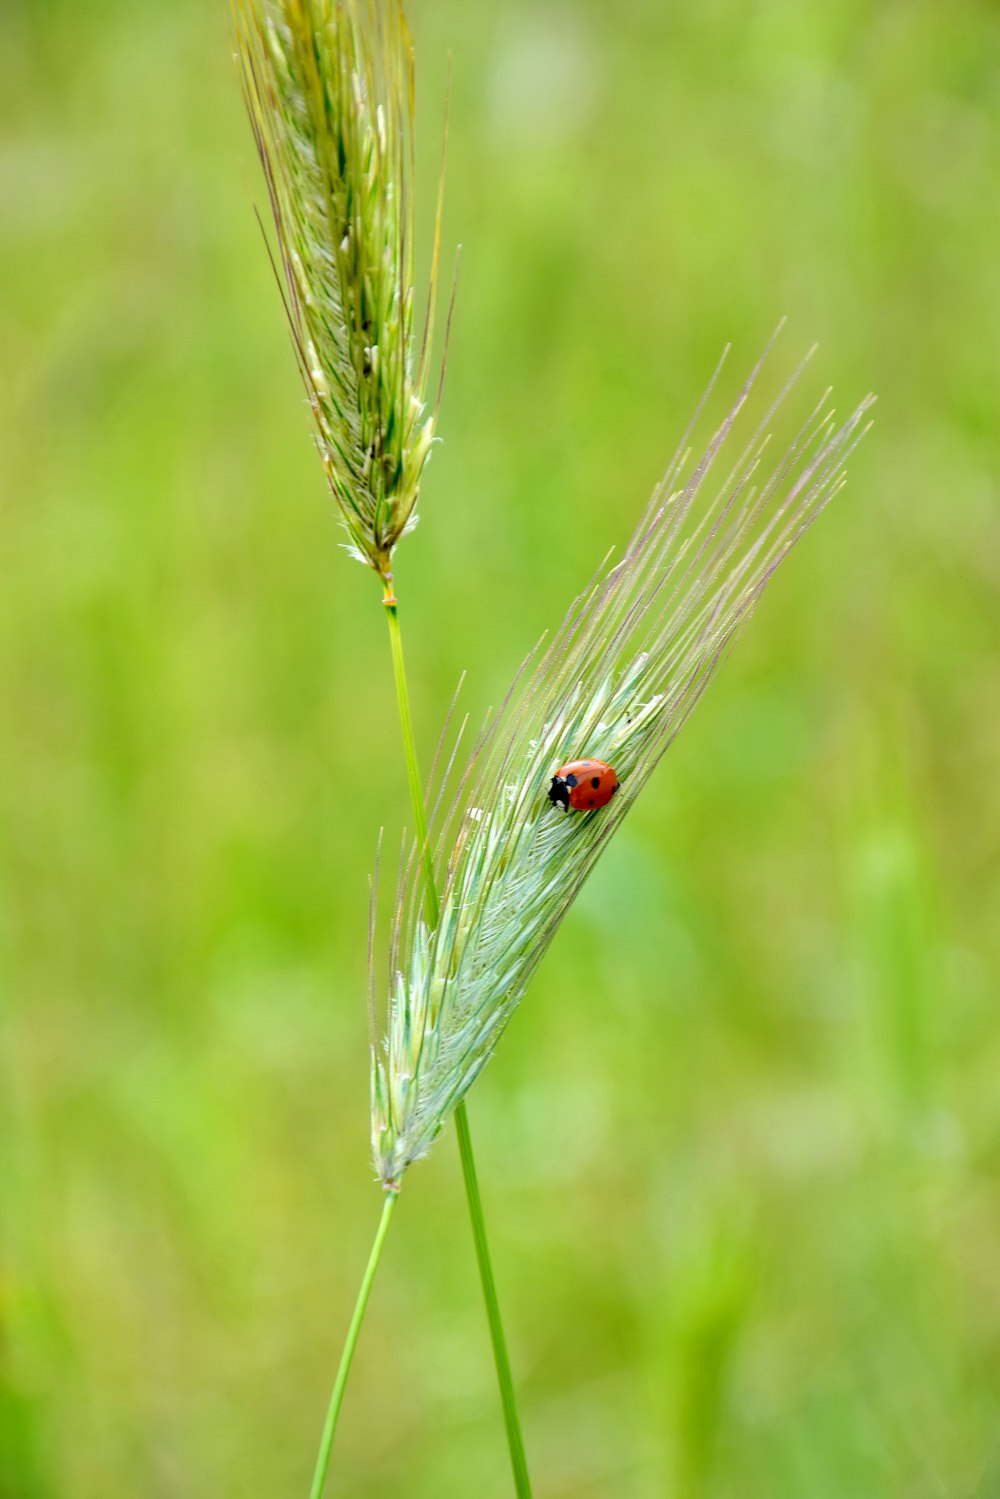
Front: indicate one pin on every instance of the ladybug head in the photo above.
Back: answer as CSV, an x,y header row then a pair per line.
x,y
559,793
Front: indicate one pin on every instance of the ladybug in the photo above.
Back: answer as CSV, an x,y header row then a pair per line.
x,y
583,785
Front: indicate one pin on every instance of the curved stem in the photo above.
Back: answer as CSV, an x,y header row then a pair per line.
x,y
340,1383
508,1399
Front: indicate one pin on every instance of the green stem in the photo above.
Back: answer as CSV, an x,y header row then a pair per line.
x,y
340,1383
518,1462
522,1483
410,751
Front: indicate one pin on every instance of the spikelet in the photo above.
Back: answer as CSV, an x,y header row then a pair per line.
x,y
631,659
329,91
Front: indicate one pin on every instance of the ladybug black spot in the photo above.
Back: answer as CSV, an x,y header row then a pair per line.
x,y
596,782
571,780
591,802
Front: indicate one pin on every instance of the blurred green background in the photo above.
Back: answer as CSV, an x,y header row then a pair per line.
x,y
740,1149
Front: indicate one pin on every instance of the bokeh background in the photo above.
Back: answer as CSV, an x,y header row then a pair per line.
x,y
740,1148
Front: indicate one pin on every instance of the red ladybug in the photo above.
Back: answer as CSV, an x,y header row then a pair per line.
x,y
583,785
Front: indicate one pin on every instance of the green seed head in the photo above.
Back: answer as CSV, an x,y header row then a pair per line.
x,y
329,89
623,672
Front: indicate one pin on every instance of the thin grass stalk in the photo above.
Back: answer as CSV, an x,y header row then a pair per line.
x,y
350,1343
505,1379
501,1357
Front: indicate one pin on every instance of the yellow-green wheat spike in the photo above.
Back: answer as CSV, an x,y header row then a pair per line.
x,y
329,90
